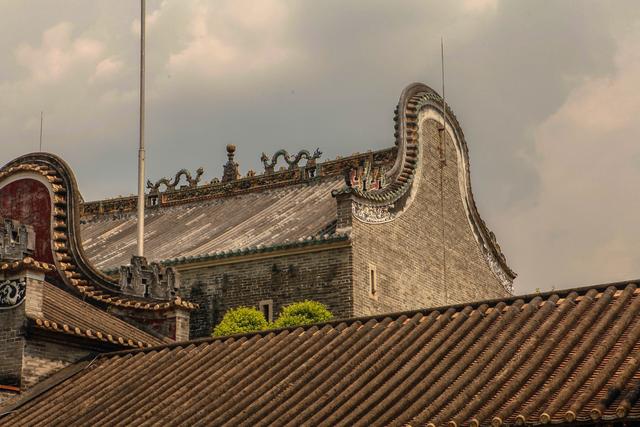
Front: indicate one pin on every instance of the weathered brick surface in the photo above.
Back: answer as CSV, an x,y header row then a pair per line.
x,y
323,276
407,252
43,358
12,330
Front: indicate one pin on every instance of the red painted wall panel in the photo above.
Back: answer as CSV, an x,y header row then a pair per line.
x,y
28,201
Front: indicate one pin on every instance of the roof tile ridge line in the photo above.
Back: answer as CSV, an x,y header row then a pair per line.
x,y
63,297
50,325
512,366
242,390
201,360
547,357
77,272
309,240
313,381
378,317
539,404
148,371
257,177
615,330
49,383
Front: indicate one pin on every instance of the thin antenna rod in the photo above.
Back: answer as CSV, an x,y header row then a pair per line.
x,y
141,200
41,118
444,108
443,162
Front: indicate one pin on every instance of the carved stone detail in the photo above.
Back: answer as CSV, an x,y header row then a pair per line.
x,y
16,240
269,166
171,185
231,169
12,293
364,177
145,279
373,214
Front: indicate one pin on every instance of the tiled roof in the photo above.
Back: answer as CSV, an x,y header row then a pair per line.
x,y
266,218
71,263
566,357
64,313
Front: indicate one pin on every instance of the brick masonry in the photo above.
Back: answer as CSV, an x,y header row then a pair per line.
x,y
43,358
406,255
12,332
323,276
407,252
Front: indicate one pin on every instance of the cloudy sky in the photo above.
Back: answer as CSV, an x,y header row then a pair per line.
x,y
548,94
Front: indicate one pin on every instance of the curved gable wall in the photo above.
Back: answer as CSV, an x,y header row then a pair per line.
x,y
407,252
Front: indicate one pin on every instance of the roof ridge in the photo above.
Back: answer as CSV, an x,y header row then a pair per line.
x,y
255,183
526,298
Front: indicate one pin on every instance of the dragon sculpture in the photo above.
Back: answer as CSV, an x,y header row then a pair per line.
x,y
171,186
293,163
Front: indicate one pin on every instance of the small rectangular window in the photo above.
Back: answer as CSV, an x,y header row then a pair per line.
x,y
373,281
266,307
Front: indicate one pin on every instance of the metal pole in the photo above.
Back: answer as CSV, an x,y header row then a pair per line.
x,y
141,200
41,118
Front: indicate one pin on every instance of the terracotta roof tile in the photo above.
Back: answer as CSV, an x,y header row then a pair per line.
x,y
65,313
568,357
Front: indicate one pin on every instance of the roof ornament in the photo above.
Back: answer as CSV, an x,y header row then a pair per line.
x,y
12,293
293,163
17,240
151,280
171,185
231,170
364,177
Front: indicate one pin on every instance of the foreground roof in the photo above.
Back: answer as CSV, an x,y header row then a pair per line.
x,y
66,314
559,357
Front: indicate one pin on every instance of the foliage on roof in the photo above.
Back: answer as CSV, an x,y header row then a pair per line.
x,y
302,313
239,321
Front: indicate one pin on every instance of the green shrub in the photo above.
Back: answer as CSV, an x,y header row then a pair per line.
x,y
302,313
240,320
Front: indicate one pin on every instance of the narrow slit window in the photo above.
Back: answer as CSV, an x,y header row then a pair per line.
x,y
373,280
266,307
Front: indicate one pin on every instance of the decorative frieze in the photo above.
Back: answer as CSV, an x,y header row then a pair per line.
x,y
12,293
170,186
293,162
373,214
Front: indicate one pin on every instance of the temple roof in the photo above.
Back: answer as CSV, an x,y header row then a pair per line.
x,y
266,218
66,314
560,357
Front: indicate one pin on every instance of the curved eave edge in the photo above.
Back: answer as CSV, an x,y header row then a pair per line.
x,y
400,178
68,254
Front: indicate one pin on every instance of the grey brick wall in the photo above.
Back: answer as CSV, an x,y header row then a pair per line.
x,y
323,276
12,330
407,252
42,359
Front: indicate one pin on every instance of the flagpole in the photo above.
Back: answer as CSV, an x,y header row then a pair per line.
x,y
141,201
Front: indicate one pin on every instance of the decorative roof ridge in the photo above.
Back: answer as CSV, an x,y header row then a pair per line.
x,y
489,303
42,323
71,263
204,201
248,184
27,262
255,249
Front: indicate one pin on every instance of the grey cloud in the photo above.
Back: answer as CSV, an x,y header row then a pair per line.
x,y
323,74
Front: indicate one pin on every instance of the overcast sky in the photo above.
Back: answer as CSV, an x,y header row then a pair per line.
x,y
548,95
